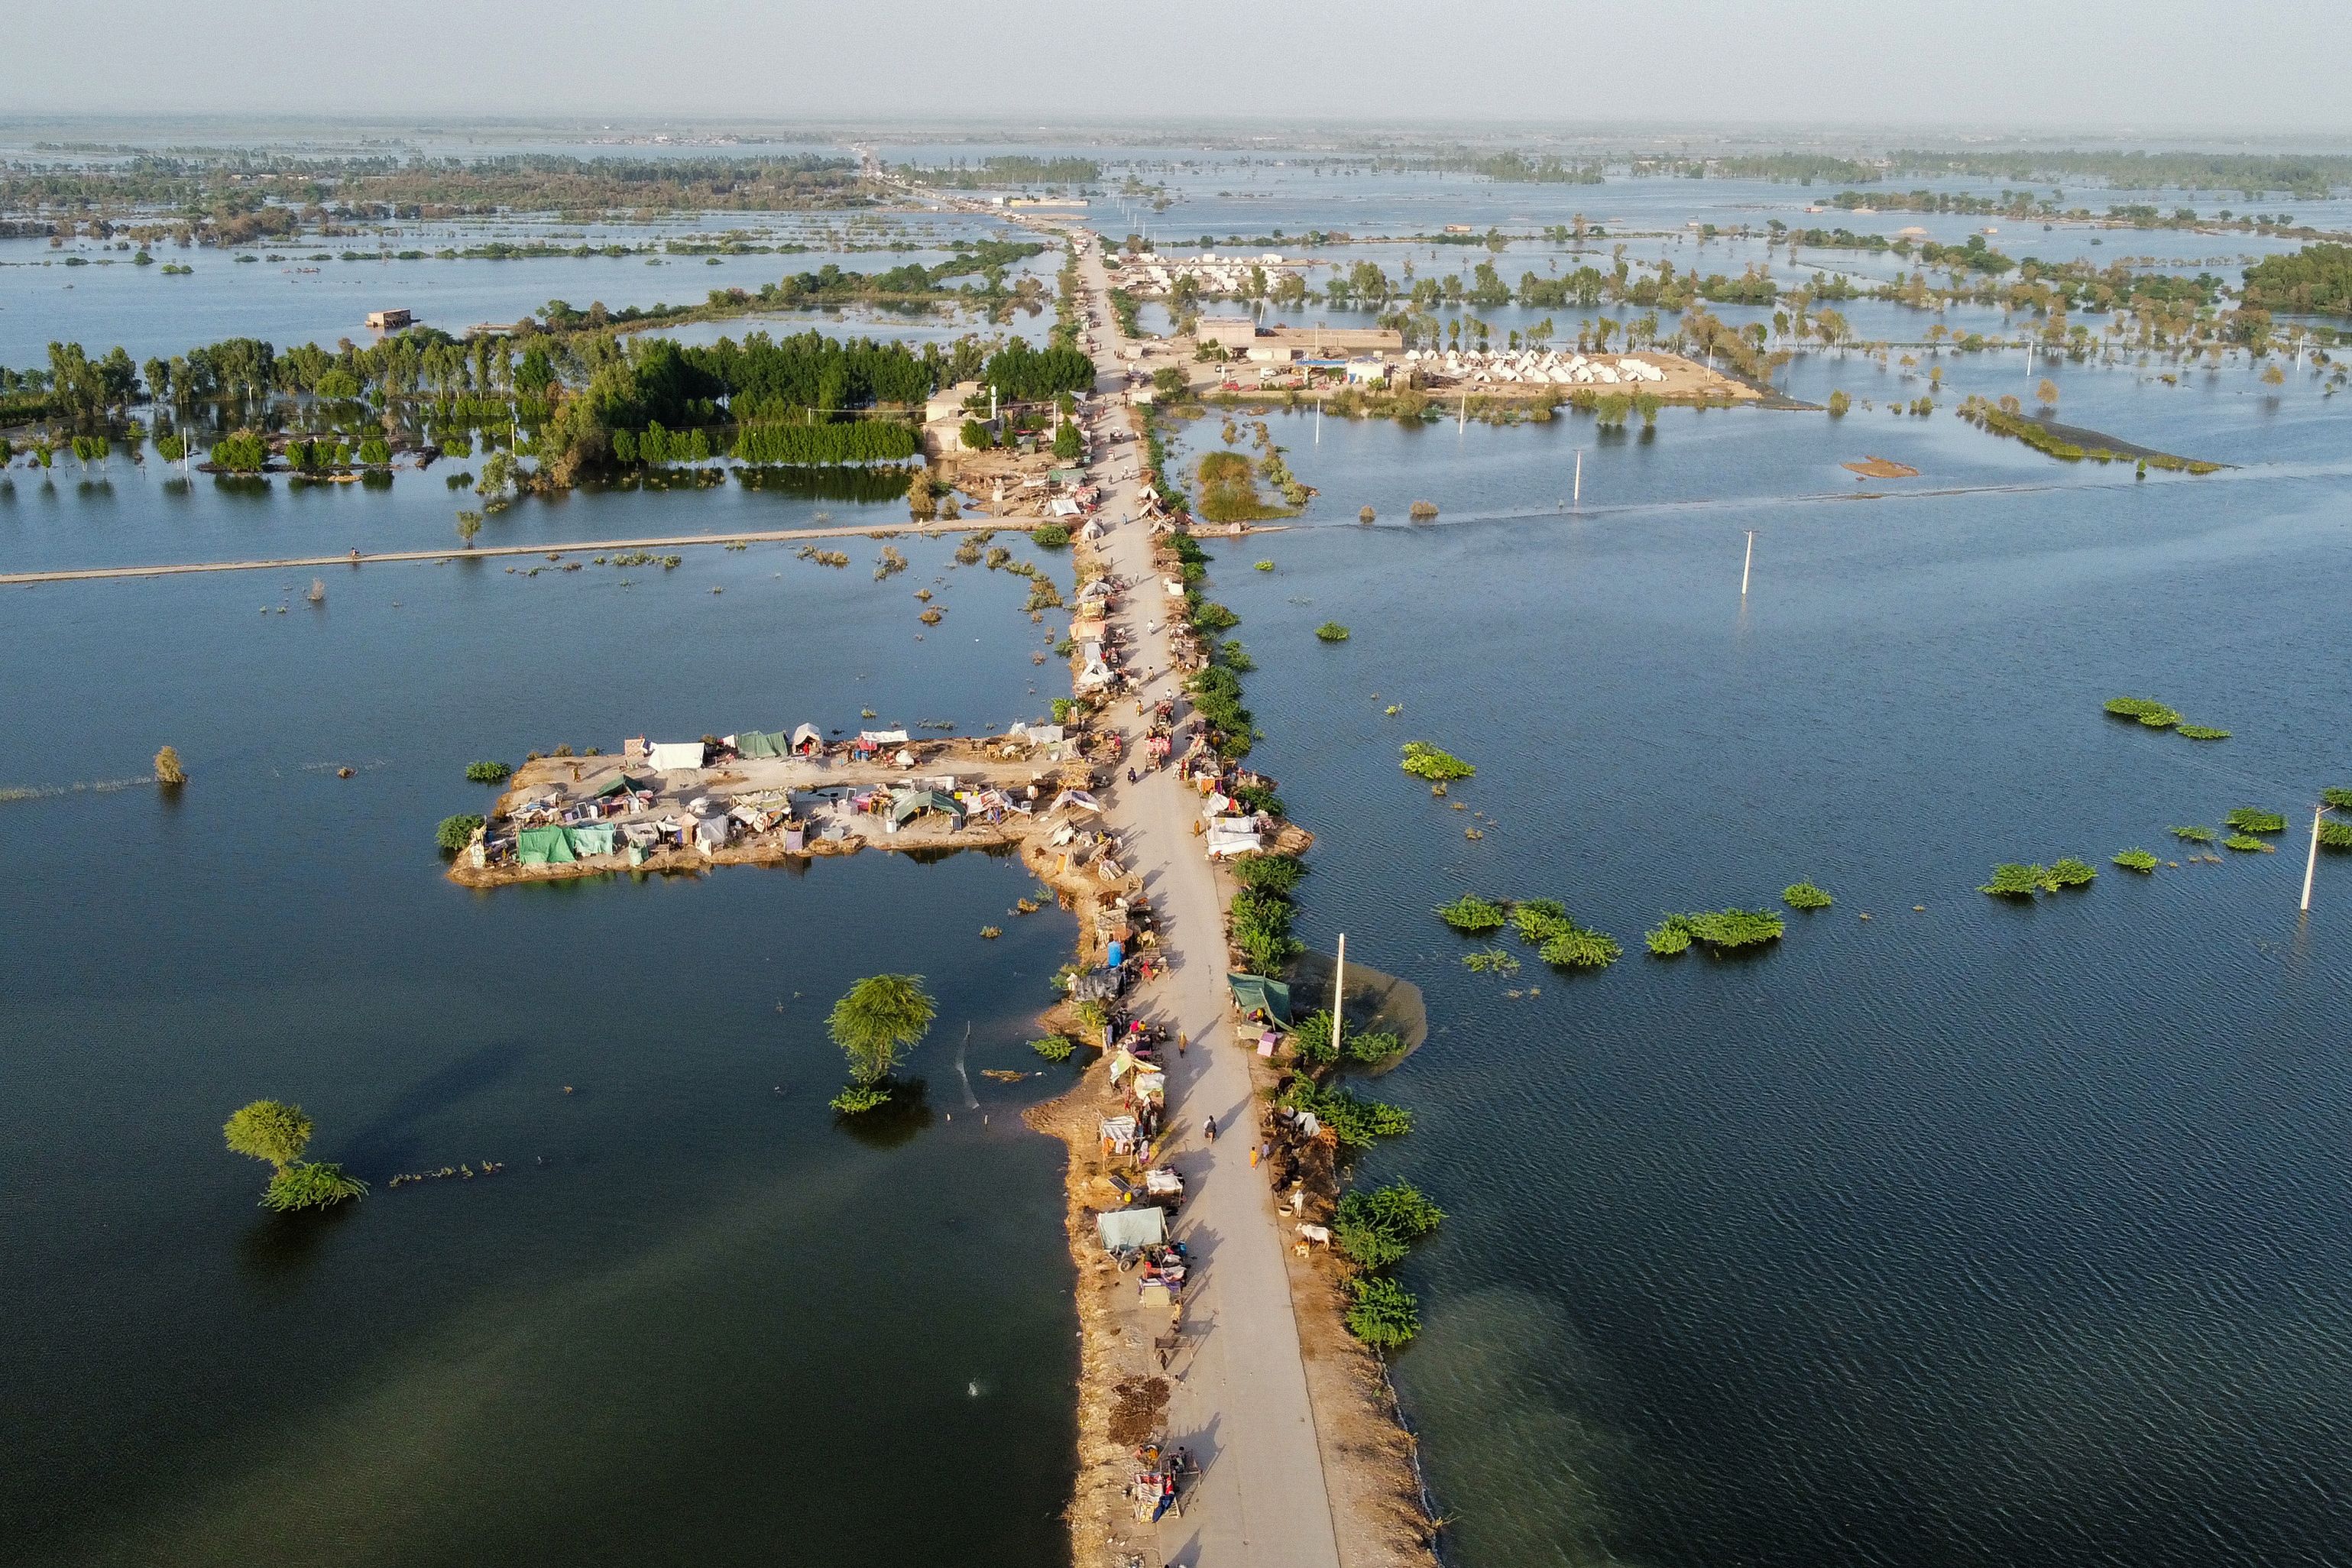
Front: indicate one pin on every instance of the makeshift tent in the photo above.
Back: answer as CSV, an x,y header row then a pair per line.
x,y
1225,841
760,744
625,785
712,832
1076,799
908,803
806,740
544,847
670,757
877,738
1255,994
592,839
1133,1227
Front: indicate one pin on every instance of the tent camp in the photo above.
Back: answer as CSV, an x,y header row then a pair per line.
x,y
1145,1226
1257,993
674,756
806,740
550,846
762,744
1226,840
592,839
1077,800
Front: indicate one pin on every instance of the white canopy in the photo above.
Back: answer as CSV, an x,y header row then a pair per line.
x,y
674,756
1074,797
883,737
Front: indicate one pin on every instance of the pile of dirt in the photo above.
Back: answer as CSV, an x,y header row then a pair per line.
x,y
1135,1418
1881,469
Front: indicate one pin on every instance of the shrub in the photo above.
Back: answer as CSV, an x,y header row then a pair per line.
x,y
310,1185
2072,873
1277,874
2153,714
1052,536
1421,510
1805,896
1331,631
2194,834
857,1098
1490,961
1577,948
1473,914
1424,761
168,771
2246,819
1311,1040
489,772
456,832
1731,927
1375,1228
1839,404
1262,566
2336,796
1537,920
1055,1048
1354,1122
1671,938
374,453
1383,1313
2139,860
2015,881
2244,842
1371,1046
2336,835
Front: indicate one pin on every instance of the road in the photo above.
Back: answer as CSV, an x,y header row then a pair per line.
x,y
1242,1407
589,546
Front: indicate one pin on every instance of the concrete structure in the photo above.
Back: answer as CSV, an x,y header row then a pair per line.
x,y
389,320
1231,332
949,405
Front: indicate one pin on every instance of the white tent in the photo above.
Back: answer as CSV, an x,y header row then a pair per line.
x,y
1146,1227
1074,797
674,756
807,734
1225,840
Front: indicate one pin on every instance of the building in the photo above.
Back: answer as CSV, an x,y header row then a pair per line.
x,y
389,320
1230,332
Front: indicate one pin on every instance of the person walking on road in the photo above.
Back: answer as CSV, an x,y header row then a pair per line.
x,y
1209,1129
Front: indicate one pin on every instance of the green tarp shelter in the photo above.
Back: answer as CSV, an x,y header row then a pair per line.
x,y
545,847
1133,1227
763,743
592,839
625,785
911,803
1255,992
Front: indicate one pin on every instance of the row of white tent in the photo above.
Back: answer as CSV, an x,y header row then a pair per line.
x,y
1539,365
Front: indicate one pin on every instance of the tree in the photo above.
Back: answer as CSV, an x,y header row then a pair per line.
x,y
1065,442
269,1130
470,523
976,436
2047,392
168,771
880,1016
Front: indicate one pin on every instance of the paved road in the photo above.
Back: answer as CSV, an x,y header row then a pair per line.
x,y
1242,1408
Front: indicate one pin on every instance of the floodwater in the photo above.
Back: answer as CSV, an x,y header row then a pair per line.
x,y
1970,1233
691,1317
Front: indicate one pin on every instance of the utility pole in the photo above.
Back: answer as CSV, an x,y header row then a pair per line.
x,y
1578,493
2311,862
1747,565
1340,993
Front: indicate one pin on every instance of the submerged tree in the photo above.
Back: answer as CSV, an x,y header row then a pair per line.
x,y
880,1016
168,771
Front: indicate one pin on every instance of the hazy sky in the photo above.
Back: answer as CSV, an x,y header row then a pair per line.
x,y
2124,67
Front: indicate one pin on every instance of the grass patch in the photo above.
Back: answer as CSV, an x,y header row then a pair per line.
x,y
2148,711
2194,834
1805,896
1229,491
1667,940
2013,881
2247,843
1490,961
1719,929
2246,819
2139,860
1331,631
2200,733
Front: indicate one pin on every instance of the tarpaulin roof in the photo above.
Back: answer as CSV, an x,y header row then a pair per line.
x,y
1253,993
674,756
1146,1227
1077,797
622,784
910,803
883,737
544,847
762,742
592,839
